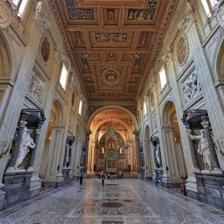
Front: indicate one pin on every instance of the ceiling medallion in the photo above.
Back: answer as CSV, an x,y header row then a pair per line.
x,y
182,50
45,49
110,76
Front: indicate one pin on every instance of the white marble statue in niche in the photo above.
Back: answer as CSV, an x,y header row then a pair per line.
x,y
157,155
203,148
67,155
26,144
36,88
191,87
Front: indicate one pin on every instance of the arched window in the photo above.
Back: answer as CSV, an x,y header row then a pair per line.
x,y
144,108
163,79
63,77
21,6
80,107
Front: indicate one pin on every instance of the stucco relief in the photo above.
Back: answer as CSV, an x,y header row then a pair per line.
x,y
36,88
191,87
219,12
146,14
182,50
76,13
5,19
111,37
41,17
154,122
111,76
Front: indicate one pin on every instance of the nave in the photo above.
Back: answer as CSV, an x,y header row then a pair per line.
x,y
123,201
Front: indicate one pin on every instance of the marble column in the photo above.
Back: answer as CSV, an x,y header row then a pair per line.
x,y
188,155
35,184
148,158
213,105
137,152
53,176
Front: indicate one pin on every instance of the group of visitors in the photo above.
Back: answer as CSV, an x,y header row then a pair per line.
x,y
101,174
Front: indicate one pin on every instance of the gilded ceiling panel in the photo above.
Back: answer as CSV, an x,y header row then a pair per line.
x,y
113,44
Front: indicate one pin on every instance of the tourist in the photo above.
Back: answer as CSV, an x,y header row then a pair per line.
x,y
81,175
103,178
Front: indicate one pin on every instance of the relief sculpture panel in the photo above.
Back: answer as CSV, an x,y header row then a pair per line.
x,y
36,88
76,13
191,87
146,14
111,37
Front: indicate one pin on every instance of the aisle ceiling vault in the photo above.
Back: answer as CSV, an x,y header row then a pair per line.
x,y
113,44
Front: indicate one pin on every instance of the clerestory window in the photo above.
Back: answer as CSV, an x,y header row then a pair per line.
x,y
163,79
21,6
63,77
208,5
80,107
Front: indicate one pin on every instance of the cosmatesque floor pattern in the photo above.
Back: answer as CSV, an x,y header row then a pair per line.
x,y
127,201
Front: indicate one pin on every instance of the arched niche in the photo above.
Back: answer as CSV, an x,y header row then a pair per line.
x,y
5,58
6,72
176,168
112,107
123,123
219,73
53,141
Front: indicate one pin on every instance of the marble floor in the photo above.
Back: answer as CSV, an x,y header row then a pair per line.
x,y
127,201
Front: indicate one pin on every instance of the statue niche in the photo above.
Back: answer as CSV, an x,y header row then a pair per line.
x,y
157,159
210,178
19,170
25,140
67,158
200,133
26,145
157,153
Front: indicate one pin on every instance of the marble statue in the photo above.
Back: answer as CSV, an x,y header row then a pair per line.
x,y
157,155
203,147
191,87
83,157
26,144
41,17
67,155
5,146
36,88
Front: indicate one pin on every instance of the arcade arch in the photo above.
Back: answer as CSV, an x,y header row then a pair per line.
x,y
219,79
175,164
114,126
50,165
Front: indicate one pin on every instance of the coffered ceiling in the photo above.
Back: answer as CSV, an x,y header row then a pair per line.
x,y
113,44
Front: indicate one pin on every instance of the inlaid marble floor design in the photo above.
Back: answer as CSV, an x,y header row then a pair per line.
x,y
127,201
